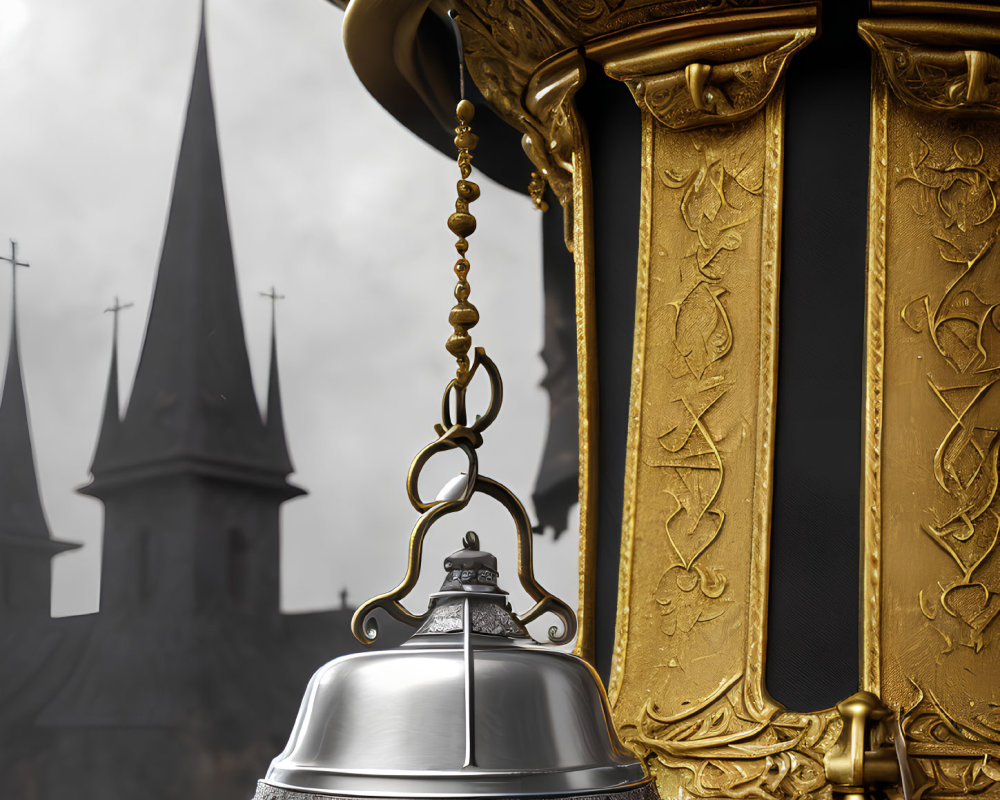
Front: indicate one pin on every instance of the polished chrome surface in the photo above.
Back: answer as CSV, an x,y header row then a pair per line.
x,y
470,706
393,723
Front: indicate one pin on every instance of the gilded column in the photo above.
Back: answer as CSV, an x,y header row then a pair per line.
x,y
932,515
687,686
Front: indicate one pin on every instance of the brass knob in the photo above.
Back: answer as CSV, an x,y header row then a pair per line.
x,y
854,765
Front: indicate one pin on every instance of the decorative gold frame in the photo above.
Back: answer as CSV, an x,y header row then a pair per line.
x,y
932,568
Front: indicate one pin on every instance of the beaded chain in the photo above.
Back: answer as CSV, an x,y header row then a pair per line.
x,y
463,314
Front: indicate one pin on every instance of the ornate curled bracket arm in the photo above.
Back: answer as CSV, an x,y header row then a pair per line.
x,y
942,66
454,433
720,72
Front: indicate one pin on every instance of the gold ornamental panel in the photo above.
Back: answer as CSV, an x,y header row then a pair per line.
x,y
687,684
932,526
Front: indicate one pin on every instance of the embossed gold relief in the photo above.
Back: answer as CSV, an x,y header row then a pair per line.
x,y
687,683
932,561
526,58
551,147
712,74
925,70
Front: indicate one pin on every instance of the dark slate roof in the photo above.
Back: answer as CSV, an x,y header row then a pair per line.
x,y
22,519
193,407
132,671
38,660
242,677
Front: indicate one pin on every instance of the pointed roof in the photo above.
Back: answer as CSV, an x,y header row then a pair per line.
x,y
22,518
111,420
193,406
275,422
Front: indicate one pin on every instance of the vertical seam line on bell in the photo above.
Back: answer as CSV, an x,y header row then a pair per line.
x,y
470,733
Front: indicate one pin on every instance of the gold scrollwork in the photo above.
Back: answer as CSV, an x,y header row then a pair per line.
x,y
703,94
957,194
932,75
932,574
527,58
730,750
687,685
714,191
554,132
929,728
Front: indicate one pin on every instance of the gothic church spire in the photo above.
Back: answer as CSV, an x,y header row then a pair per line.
x,y
193,407
22,518
111,420
275,420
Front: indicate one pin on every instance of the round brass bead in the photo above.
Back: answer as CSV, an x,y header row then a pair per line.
x,y
468,191
465,111
466,140
464,315
462,246
458,344
462,224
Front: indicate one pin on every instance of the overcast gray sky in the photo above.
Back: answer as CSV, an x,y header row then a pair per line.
x,y
331,200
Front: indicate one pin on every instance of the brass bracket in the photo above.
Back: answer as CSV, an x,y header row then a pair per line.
x,y
859,761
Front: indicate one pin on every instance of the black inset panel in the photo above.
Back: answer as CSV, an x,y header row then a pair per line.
x,y
613,127
812,654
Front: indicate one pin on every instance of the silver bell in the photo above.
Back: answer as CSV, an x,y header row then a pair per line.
x,y
470,706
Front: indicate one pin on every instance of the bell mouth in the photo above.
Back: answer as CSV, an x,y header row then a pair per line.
x,y
469,783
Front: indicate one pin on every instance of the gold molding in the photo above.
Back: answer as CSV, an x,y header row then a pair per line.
x,y
583,257
931,572
874,380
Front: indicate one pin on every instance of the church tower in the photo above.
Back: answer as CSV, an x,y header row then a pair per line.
x,y
192,477
26,544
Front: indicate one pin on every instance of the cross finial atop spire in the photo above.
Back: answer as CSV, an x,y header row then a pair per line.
x,y
274,297
14,263
118,306
115,308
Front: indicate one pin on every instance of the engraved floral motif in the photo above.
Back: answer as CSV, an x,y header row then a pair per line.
x,y
712,195
487,617
957,193
927,724
594,17
728,750
517,34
